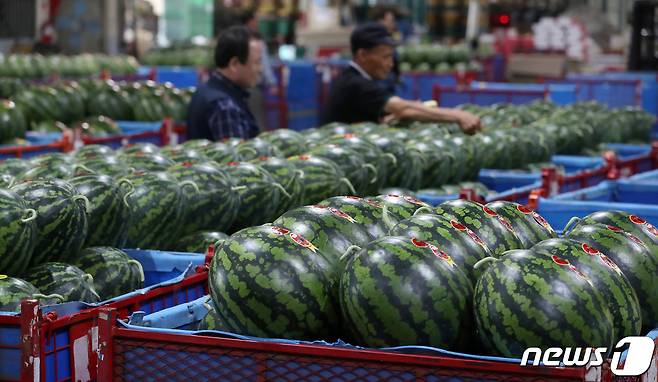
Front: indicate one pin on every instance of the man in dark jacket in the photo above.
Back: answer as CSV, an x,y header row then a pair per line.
x,y
218,109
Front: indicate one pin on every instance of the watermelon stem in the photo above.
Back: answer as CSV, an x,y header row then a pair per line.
x,y
422,210
49,296
389,222
300,173
349,251
190,183
374,171
393,158
130,192
83,198
484,261
349,185
238,188
32,215
79,166
574,220
282,189
139,267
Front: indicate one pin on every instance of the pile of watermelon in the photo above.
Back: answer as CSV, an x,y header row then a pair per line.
x,y
36,66
436,58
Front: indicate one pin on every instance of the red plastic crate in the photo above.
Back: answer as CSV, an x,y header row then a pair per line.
x,y
58,349
161,136
488,96
65,144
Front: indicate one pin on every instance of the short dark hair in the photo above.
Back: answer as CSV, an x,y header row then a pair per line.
x,y
247,16
233,42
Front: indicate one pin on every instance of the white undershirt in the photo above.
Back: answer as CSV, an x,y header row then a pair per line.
x,y
360,70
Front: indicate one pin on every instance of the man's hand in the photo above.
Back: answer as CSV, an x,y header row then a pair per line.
x,y
469,123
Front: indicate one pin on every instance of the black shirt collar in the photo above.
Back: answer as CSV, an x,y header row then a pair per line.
x,y
218,78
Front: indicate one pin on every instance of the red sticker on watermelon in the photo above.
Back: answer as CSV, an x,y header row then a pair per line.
x,y
652,229
489,211
506,223
635,239
353,197
457,225
581,275
304,157
302,241
541,221
263,158
589,250
609,263
560,261
418,243
280,230
413,200
523,209
373,203
637,220
233,163
475,237
614,229
441,255
187,164
341,214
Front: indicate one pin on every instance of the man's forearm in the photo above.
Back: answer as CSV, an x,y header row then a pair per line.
x,y
419,112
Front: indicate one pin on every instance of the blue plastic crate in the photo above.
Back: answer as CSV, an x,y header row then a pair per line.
x,y
649,177
302,81
129,128
559,94
435,200
516,194
179,76
503,180
426,81
161,266
36,139
626,151
605,196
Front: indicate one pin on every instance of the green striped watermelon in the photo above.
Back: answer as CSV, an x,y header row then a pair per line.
x,y
14,166
529,226
368,213
371,154
109,214
64,280
260,194
525,300
606,277
254,148
90,152
48,171
220,152
211,321
322,178
286,174
398,191
209,197
18,234
142,147
198,242
440,162
266,281
331,231
233,141
401,207
288,142
13,291
337,128
114,272
49,159
467,156
463,245
110,165
359,173
147,162
156,203
6,181
182,154
632,256
61,219
496,231
400,291
197,144
406,170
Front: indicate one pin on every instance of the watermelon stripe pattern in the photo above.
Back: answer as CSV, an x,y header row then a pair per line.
x,y
13,291
265,284
66,280
114,272
18,233
529,226
322,178
398,291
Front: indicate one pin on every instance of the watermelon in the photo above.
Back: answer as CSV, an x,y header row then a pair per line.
x,y
406,168
142,147
526,300
232,142
266,281
197,144
14,290
114,272
90,152
632,224
198,242
398,191
260,195
438,160
6,181
141,161
181,154
61,219
18,236
211,321
337,128
285,173
48,171
322,178
632,256
606,277
64,280
13,122
254,148
210,201
109,214
371,154
529,226
496,231
49,159
463,245
333,232
14,166
288,142
156,203
110,165
368,213
400,207
400,291
359,173
221,153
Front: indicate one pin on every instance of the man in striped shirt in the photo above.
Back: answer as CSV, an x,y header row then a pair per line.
x,y
218,109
